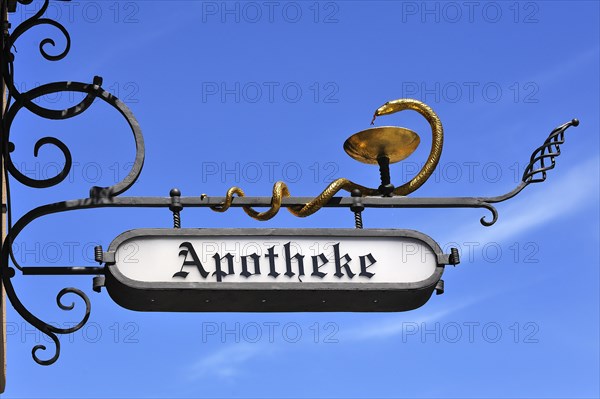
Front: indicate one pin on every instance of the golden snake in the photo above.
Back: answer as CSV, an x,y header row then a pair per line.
x,y
280,189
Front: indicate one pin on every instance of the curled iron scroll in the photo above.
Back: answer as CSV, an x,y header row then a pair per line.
x,y
93,91
10,41
18,100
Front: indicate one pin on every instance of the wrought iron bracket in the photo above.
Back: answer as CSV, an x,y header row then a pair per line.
x,y
542,160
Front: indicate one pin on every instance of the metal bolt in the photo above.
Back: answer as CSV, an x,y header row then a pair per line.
x,y
176,207
98,255
357,207
98,282
454,256
439,287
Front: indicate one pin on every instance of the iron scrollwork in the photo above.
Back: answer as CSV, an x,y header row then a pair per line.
x,y
16,102
542,160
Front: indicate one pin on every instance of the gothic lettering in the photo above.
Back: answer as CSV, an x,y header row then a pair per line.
x,y
188,249
288,262
279,258
338,262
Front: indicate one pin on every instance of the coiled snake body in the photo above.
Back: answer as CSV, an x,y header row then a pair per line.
x,y
281,191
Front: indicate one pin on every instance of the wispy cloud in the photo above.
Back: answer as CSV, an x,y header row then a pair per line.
x,y
545,203
226,363
397,324
566,66
539,204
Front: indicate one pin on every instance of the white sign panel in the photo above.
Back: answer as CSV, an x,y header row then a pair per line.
x,y
273,269
275,259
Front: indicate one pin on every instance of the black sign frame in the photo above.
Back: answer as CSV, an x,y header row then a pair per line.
x,y
271,297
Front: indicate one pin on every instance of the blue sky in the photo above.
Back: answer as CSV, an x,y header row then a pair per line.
x,y
248,93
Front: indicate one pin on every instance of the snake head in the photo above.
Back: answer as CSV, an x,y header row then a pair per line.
x,y
385,109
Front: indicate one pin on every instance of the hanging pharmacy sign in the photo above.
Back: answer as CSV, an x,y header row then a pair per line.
x,y
264,270
273,270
